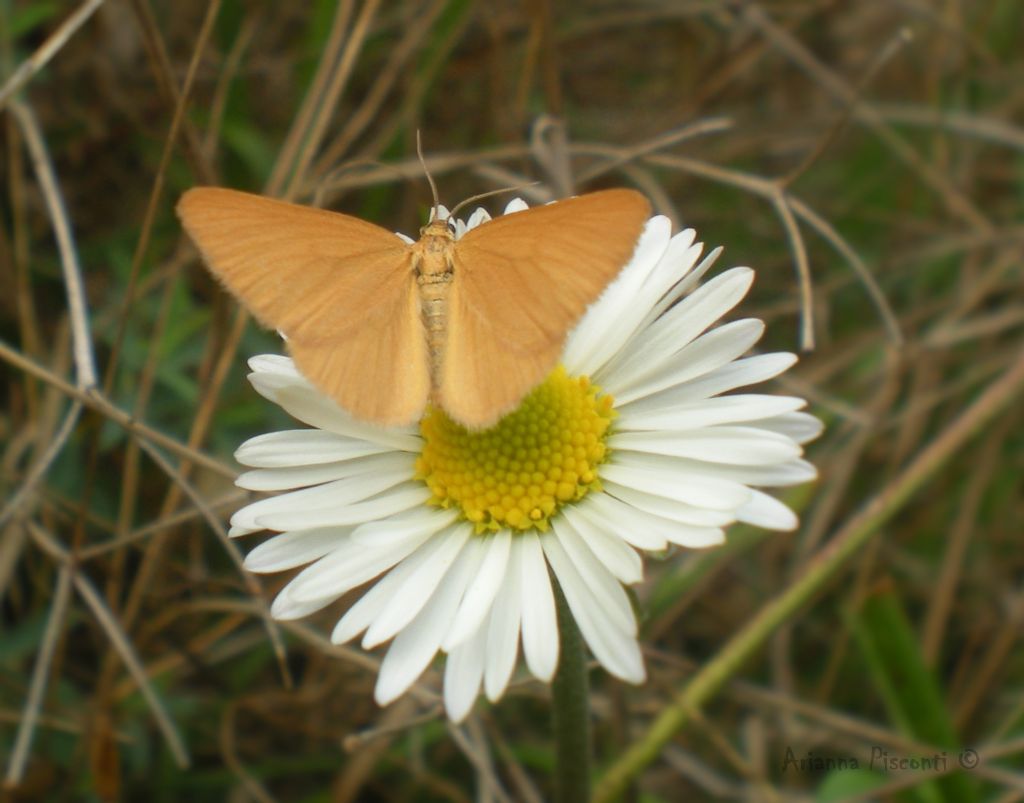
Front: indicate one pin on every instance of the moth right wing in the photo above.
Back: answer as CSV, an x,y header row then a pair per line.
x,y
340,289
522,281
483,374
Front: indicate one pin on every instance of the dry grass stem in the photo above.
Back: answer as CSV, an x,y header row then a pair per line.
x,y
85,362
118,639
47,50
40,675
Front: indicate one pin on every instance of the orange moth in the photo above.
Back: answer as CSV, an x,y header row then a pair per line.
x,y
383,326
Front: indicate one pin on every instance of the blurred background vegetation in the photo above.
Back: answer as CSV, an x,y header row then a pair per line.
x,y
866,158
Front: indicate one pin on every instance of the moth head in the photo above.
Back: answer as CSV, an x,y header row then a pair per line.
x,y
440,225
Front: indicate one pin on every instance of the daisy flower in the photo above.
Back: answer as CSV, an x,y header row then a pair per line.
x,y
628,447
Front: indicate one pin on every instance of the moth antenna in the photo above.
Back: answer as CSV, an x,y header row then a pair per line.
x,y
423,162
483,195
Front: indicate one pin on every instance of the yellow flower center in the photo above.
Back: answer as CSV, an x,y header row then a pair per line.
x,y
518,473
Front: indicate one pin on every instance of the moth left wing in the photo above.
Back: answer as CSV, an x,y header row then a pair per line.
x,y
306,272
340,289
379,370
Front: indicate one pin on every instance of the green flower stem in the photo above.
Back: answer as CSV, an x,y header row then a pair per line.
x,y
844,545
570,712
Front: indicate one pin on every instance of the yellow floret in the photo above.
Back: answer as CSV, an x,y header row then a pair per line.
x,y
519,473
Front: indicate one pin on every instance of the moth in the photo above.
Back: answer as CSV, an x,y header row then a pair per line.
x,y
383,326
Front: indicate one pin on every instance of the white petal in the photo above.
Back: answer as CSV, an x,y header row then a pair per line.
x,y
361,614
607,592
368,608
394,500
313,408
734,445
301,447
615,316
683,283
659,528
274,364
680,469
416,645
286,608
646,356
707,412
341,571
792,472
463,673
480,215
288,550
801,427
605,511
305,499
269,383
540,627
696,537
283,479
671,509
414,580
732,375
766,511
397,528
503,631
697,491
353,563
616,649
479,597
602,537
708,352
361,479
